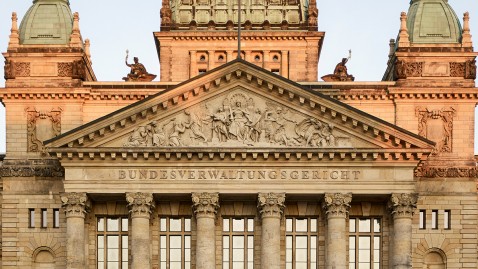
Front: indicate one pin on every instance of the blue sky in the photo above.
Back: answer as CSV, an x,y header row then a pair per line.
x,y
365,26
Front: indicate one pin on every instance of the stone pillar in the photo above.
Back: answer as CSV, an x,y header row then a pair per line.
x,y
336,207
193,69
284,69
76,206
140,206
271,207
211,60
266,60
402,207
205,206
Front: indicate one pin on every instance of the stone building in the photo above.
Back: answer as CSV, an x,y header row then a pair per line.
x,y
239,162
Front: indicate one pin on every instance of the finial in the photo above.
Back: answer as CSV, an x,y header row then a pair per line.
x,y
404,38
466,36
75,38
14,38
392,47
87,50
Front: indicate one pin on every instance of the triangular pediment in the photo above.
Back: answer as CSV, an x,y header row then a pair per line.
x,y
240,107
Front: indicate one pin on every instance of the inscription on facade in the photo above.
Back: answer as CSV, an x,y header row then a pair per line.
x,y
235,174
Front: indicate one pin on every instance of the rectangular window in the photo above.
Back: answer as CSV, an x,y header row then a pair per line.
x,y
201,71
56,218
365,241
238,243
301,243
423,219
31,218
175,242
447,219
44,218
435,219
276,71
112,242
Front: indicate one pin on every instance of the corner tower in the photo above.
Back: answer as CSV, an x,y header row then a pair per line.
x,y
279,35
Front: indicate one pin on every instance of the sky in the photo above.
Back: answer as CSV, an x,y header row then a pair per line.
x,y
113,26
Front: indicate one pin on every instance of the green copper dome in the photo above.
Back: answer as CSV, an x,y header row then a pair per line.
x,y
433,21
47,22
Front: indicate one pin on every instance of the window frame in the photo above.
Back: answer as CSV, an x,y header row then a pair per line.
x,y
121,233
44,218
372,234
167,233
309,233
31,218
247,234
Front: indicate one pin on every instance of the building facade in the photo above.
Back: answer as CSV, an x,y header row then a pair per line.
x,y
239,158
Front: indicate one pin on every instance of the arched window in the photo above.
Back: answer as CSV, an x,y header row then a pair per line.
x,y
434,260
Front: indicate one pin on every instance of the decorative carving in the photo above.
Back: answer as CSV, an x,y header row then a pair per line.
x,y
65,69
340,71
75,204
405,69
457,69
446,172
138,71
237,120
312,15
166,14
470,69
22,69
9,70
79,70
271,204
205,204
32,168
440,132
37,131
403,204
337,204
140,204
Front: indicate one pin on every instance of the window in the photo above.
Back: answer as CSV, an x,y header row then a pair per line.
x,y
447,219
238,243
44,218
301,243
276,71
56,218
175,243
112,242
202,71
423,219
365,239
434,219
31,218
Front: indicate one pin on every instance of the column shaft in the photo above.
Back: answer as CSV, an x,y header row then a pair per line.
x,y
205,206
271,207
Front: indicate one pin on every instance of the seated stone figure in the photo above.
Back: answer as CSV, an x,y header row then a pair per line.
x,y
138,72
340,72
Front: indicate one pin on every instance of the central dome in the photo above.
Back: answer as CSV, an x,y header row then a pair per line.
x,y
433,21
47,22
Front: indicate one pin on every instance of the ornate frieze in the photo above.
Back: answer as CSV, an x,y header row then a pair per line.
x,y
75,69
31,168
446,172
75,204
41,126
437,125
470,69
238,120
205,204
406,69
9,71
271,204
457,69
140,204
22,69
403,204
65,69
337,204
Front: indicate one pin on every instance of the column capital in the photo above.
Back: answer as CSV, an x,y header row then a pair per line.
x,y
76,204
271,204
403,205
337,204
140,204
205,204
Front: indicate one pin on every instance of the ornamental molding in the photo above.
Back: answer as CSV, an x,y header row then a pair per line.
x,y
457,69
446,172
21,69
140,204
470,69
32,171
9,70
42,125
75,204
337,204
271,205
437,125
403,205
404,69
205,205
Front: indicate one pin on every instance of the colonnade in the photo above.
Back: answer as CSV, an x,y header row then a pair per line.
x,y
271,208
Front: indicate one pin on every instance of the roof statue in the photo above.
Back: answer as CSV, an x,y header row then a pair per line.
x,y
340,72
138,71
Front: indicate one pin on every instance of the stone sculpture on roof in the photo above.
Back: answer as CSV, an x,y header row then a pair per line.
x,y
138,71
340,71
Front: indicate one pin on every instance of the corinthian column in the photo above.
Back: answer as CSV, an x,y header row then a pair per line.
x,y
205,206
140,206
76,206
402,207
336,207
271,207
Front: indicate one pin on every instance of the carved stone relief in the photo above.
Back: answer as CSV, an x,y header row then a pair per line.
x,y
22,69
79,70
9,71
444,171
437,125
140,204
470,69
238,119
205,204
271,204
457,69
403,204
42,126
405,69
75,204
337,204
65,69
31,168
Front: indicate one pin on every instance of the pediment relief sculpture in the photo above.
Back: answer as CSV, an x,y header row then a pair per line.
x,y
235,120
